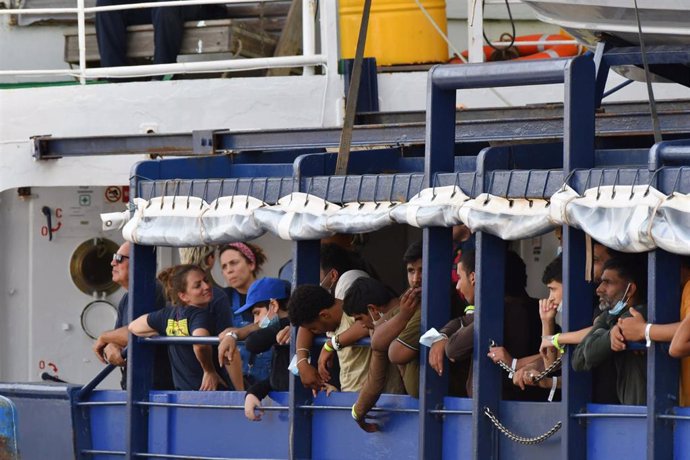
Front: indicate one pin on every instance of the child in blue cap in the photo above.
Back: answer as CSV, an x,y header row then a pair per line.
x,y
267,298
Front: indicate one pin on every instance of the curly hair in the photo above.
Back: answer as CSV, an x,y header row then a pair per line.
x,y
306,302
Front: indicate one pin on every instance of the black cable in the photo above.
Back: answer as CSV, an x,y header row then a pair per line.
x,y
650,92
512,25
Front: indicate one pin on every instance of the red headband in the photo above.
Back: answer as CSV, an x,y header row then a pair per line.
x,y
244,250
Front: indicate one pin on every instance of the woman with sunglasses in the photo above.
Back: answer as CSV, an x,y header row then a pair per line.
x,y
188,288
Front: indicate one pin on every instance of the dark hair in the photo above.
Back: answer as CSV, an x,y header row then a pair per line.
x,y
633,269
363,292
515,275
282,304
413,252
334,256
306,302
467,259
259,254
553,271
611,252
515,271
174,280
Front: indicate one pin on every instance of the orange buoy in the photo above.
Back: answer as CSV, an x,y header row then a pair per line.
x,y
533,51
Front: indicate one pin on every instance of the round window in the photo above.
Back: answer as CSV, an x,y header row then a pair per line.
x,y
90,266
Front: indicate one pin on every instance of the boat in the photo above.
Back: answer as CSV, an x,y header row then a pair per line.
x,y
663,22
80,150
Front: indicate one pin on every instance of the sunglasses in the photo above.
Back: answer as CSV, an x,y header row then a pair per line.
x,y
118,258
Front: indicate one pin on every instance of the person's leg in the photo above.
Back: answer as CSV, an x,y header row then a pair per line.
x,y
111,34
168,26
111,31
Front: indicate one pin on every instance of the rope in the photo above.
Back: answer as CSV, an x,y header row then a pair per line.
x,y
521,439
455,50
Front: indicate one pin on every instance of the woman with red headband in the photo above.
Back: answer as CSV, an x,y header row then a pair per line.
x,y
240,264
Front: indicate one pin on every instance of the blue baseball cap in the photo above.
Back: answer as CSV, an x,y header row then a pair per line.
x,y
264,290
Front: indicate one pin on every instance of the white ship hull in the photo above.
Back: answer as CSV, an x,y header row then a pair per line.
x,y
664,22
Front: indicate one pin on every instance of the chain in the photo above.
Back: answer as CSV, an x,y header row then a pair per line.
x,y
521,439
549,370
542,375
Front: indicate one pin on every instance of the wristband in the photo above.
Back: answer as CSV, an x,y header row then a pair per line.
x,y
232,334
513,366
469,309
647,338
336,343
554,385
559,347
300,360
327,347
354,414
303,349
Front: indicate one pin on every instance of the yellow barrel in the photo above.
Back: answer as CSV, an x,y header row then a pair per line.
x,y
399,33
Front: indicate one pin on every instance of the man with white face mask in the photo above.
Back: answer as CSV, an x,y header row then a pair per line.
x,y
623,285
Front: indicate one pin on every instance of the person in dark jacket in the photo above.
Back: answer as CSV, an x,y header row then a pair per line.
x,y
623,286
267,300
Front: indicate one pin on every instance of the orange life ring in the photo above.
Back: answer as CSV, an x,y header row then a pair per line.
x,y
542,51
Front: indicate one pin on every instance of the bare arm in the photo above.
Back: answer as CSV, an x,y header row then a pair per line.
x,y
354,333
633,328
680,345
117,339
401,354
574,337
307,373
203,353
140,327
385,333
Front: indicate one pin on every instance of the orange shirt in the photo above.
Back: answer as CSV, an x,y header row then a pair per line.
x,y
685,362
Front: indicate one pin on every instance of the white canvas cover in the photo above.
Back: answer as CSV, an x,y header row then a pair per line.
x,y
559,202
230,219
166,221
362,217
297,216
670,227
117,220
432,207
619,220
507,219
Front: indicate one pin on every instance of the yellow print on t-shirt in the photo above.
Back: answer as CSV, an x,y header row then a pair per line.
x,y
177,328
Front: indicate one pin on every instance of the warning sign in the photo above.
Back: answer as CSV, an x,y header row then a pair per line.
x,y
113,194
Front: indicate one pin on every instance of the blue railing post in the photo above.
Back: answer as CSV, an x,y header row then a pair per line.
x,y
578,76
663,306
306,257
436,266
662,370
487,378
306,271
142,296
578,152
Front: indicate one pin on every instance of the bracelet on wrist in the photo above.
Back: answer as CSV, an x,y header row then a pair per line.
x,y
328,347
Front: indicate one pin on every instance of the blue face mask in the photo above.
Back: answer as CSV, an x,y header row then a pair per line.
x,y
266,321
620,305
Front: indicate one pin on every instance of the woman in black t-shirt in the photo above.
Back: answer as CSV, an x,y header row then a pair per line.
x,y
192,366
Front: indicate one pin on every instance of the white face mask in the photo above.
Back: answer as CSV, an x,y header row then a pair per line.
x,y
376,321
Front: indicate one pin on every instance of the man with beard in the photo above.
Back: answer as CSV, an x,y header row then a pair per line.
x,y
623,286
